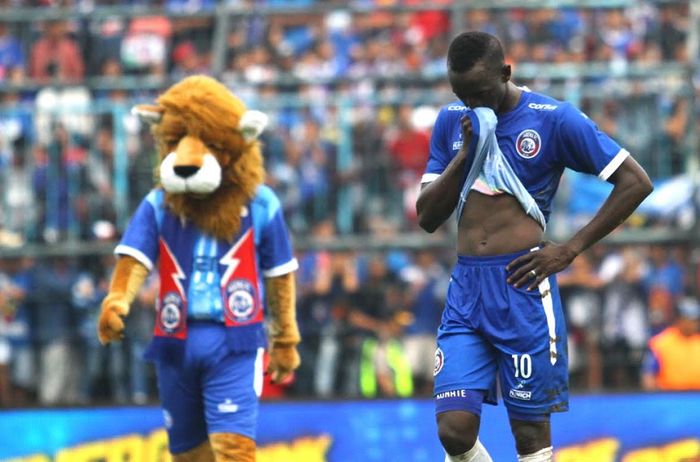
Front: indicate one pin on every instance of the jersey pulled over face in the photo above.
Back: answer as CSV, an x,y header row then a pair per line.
x,y
539,138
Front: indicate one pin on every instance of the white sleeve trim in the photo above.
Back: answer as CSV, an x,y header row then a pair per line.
x,y
291,265
135,253
614,164
428,177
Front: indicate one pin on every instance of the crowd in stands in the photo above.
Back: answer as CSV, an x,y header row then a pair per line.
x,y
368,321
352,89
352,94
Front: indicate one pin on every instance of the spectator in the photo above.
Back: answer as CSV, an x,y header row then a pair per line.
x,y
12,62
625,328
139,331
580,286
187,61
5,357
55,56
105,36
58,169
409,147
326,283
671,362
426,288
14,286
378,317
663,282
88,291
54,325
144,48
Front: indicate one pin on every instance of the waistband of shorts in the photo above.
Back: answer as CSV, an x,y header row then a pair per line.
x,y
492,260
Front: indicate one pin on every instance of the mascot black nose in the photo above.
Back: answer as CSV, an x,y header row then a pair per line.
x,y
185,171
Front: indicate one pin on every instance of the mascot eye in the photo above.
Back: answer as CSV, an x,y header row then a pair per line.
x,y
215,147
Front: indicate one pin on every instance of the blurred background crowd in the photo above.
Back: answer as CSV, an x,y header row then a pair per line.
x,y
352,89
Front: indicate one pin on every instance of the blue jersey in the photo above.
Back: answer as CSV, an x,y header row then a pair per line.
x,y
538,138
201,260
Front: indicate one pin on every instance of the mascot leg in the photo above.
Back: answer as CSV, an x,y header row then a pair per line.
x,y
230,447
201,453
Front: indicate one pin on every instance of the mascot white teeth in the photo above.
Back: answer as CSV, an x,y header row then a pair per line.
x,y
217,235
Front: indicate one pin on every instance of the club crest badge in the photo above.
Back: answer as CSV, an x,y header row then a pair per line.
x,y
241,300
528,144
170,316
439,361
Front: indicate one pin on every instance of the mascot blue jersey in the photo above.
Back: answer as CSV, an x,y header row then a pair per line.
x,y
202,262
538,138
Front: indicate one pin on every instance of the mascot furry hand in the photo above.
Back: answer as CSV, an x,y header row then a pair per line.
x,y
215,232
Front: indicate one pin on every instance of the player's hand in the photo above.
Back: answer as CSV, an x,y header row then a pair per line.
x,y
536,266
110,325
283,360
466,123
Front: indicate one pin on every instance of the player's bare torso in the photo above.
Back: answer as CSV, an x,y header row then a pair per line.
x,y
494,225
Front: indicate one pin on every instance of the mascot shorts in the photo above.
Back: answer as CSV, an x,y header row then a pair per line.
x,y
212,391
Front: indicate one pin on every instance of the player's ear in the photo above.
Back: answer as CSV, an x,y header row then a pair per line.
x,y
506,73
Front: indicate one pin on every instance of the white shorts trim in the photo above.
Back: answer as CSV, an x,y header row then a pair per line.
x,y
546,292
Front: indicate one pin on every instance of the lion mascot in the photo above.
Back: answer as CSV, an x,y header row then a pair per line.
x,y
226,272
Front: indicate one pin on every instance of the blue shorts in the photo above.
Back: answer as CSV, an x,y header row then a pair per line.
x,y
492,332
213,391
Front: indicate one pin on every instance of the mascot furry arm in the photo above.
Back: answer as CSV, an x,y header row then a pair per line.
x,y
127,279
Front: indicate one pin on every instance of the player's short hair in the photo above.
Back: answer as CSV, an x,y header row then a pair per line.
x,y
468,48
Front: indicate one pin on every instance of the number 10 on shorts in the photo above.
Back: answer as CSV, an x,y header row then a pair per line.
x,y
522,365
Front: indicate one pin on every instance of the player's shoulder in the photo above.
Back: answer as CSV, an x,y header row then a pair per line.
x,y
544,104
550,108
448,115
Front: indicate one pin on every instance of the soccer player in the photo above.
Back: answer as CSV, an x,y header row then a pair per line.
x,y
496,155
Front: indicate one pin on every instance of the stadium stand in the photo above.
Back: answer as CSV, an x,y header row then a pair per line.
x,y
352,89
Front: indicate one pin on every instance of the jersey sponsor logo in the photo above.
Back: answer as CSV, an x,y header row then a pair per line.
x,y
452,394
520,394
457,145
439,361
241,300
227,407
456,107
542,107
528,144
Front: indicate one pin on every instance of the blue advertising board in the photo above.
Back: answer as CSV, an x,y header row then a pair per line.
x,y
599,428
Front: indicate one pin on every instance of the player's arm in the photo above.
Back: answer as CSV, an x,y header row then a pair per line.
x,y
631,186
591,151
438,198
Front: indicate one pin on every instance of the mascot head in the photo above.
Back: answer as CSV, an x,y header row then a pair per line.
x,y
210,160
